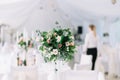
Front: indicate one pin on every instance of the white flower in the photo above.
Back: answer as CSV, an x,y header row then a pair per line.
x,y
49,48
55,51
67,43
44,52
58,38
48,55
65,33
55,34
72,37
42,38
72,43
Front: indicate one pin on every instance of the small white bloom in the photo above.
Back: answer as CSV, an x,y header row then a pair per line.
x,y
67,43
44,52
48,55
42,38
55,51
58,38
65,33
72,37
49,48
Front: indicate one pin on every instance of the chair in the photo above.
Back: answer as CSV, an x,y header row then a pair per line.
x,y
5,62
85,63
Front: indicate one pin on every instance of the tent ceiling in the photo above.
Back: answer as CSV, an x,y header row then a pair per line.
x,y
3,2
91,9
16,12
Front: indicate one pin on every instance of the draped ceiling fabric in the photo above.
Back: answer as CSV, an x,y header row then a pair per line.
x,y
21,13
45,17
15,12
30,15
91,9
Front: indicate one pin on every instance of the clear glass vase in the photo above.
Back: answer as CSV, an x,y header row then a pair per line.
x,y
59,65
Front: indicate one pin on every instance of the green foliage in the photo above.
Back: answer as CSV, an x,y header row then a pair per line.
x,y
57,44
25,44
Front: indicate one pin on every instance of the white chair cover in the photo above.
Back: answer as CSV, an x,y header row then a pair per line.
x,y
85,63
5,62
118,59
7,48
77,55
110,59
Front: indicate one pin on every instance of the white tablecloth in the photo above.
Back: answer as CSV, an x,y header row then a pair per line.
x,y
41,71
24,73
81,75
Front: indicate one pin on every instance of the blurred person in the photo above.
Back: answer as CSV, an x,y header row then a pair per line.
x,y
91,44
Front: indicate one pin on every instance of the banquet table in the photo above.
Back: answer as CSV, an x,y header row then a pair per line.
x,y
33,74
39,71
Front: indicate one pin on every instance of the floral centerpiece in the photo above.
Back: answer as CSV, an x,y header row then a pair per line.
x,y
57,44
24,45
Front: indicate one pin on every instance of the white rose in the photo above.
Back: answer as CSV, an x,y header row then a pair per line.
x,y
55,51
58,38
